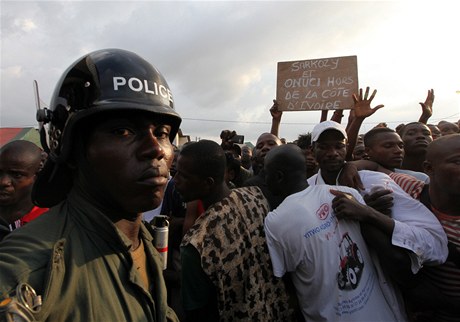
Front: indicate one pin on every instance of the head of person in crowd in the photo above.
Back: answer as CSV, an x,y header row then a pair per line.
x,y
443,167
304,143
246,155
330,141
399,128
384,146
416,137
359,152
265,142
382,124
201,168
435,131
172,169
20,162
448,128
285,175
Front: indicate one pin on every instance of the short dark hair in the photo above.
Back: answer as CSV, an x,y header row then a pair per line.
x,y
404,128
369,137
304,141
208,159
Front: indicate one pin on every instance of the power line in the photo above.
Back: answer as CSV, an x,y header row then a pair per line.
x,y
282,123
304,123
227,121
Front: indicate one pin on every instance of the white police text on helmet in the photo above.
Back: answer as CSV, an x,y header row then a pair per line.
x,y
137,85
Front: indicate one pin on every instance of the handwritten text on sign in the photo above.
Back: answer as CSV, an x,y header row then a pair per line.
x,y
318,84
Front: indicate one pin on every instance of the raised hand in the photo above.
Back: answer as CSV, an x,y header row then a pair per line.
x,y
362,105
276,118
276,115
427,107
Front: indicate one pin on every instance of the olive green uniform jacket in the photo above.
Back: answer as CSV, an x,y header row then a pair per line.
x,y
79,262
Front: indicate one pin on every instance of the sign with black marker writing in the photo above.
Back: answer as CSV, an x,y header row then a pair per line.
x,y
317,84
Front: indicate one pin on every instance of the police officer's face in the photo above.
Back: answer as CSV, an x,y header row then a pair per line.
x,y
130,157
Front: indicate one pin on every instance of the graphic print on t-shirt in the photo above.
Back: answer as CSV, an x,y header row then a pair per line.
x,y
351,263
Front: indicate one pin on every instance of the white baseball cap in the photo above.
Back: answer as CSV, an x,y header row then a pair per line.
x,y
327,125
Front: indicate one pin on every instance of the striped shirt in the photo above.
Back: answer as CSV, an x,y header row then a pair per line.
x,y
447,276
408,183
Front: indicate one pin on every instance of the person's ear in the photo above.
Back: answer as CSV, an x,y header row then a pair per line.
x,y
279,176
209,181
366,150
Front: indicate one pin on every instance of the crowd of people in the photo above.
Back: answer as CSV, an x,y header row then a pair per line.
x,y
336,226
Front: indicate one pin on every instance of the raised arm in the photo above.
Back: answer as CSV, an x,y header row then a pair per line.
x,y
427,107
361,110
276,118
337,116
323,115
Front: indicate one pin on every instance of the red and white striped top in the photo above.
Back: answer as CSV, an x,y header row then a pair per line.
x,y
447,276
408,183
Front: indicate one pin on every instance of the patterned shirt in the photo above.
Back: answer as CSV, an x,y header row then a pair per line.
x,y
230,240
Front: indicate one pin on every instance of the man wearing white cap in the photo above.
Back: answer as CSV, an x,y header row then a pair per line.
x,y
407,236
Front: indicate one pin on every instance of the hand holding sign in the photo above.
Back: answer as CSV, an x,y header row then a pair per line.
x,y
276,114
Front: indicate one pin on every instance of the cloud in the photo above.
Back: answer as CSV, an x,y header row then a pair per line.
x,y
220,58
13,71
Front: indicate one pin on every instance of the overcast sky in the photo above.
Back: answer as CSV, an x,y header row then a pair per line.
x,y
220,58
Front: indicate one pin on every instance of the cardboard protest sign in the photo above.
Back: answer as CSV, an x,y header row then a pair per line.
x,y
317,84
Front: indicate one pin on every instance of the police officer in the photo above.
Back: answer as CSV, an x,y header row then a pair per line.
x,y
90,258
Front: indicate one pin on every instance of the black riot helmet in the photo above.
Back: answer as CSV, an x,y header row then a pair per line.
x,y
103,81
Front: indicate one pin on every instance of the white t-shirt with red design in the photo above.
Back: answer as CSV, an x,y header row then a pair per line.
x,y
331,267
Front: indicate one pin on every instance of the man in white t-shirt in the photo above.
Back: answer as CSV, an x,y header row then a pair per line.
x,y
335,275
412,233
